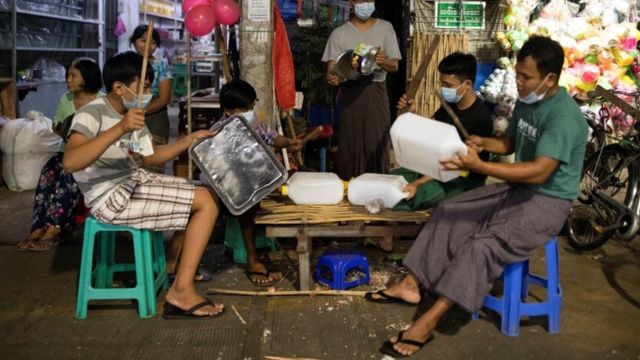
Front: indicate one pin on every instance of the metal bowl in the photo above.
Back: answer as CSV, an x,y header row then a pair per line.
x,y
343,68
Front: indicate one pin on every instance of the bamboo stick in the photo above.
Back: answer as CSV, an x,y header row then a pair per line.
x,y
145,62
287,292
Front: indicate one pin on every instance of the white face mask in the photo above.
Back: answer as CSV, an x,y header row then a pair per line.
x,y
364,10
248,115
533,97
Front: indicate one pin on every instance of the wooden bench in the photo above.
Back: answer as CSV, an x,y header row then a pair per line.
x,y
282,218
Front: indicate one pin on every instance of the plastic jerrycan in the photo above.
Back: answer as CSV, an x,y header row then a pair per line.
x,y
314,188
419,144
369,187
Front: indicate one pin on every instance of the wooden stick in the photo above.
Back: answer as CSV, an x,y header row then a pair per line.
x,y
312,135
145,62
292,132
233,307
417,77
222,45
268,357
454,117
288,292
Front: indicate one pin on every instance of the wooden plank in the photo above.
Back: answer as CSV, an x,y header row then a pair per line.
x,y
344,230
304,260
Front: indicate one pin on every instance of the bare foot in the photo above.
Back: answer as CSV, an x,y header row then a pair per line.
x,y
187,299
407,290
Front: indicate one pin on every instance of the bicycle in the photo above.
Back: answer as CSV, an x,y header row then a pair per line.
x,y
609,200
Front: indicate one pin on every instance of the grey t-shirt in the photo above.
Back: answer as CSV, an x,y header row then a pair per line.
x,y
346,37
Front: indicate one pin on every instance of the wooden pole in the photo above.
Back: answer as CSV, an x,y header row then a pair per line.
x,y
292,132
454,117
189,94
145,62
287,292
222,44
416,79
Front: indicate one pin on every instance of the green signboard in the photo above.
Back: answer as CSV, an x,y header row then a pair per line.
x,y
448,15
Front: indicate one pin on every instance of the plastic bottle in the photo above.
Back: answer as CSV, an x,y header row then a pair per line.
x,y
366,188
419,144
314,188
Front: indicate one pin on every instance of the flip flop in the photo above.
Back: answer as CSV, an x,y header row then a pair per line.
x,y
172,312
385,298
50,244
388,349
268,283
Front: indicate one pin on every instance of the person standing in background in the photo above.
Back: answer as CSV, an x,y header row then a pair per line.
x,y
364,119
156,116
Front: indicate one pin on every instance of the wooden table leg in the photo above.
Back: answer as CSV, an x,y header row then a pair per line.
x,y
304,270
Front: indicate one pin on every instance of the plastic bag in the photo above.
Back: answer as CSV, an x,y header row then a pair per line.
x,y
51,70
26,144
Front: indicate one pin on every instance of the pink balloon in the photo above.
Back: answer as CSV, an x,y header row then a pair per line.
x,y
189,4
227,11
200,20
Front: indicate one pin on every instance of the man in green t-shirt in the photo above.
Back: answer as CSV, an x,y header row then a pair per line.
x,y
470,238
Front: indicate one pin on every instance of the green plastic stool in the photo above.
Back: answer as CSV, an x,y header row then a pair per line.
x,y
234,240
95,283
179,84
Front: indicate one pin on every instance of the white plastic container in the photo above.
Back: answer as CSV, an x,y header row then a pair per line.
x,y
419,144
369,187
314,188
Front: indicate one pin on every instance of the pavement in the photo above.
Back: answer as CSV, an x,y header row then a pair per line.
x,y
600,315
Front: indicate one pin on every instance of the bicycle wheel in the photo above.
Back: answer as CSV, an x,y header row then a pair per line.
x,y
590,223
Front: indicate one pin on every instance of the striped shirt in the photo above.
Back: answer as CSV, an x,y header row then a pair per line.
x,y
98,180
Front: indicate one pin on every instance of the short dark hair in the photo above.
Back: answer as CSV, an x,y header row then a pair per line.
x,y
141,31
547,54
90,72
461,65
124,67
237,94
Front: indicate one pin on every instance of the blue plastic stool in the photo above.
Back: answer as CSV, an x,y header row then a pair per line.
x,y
233,239
333,267
512,305
149,266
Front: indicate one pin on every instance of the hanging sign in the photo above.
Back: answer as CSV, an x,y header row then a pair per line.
x,y
259,10
448,15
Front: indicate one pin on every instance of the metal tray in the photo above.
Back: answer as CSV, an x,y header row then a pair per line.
x,y
240,167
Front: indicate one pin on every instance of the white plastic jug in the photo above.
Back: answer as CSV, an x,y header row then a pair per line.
x,y
368,187
420,143
314,188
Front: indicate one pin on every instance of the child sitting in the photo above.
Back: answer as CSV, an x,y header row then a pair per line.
x,y
238,98
118,192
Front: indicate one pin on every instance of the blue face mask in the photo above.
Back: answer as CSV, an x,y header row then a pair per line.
x,y
450,95
364,10
533,97
146,98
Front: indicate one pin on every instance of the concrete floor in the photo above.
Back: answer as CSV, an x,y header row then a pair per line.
x,y
600,316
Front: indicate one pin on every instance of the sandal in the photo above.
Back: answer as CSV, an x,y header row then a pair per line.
x,y
266,274
26,243
44,244
388,349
